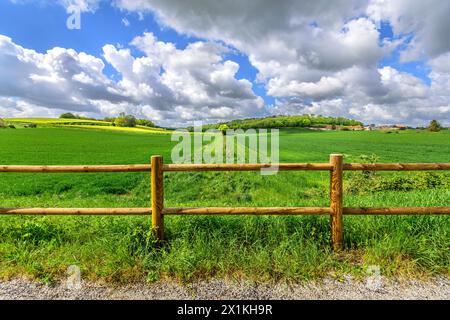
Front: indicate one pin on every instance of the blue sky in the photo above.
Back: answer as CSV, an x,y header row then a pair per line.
x,y
45,28
318,88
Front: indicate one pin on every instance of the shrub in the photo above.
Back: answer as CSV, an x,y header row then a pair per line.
x,y
11,126
371,181
361,184
68,115
145,123
31,125
434,126
125,120
286,121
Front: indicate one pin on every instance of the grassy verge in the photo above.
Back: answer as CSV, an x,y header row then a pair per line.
x,y
121,249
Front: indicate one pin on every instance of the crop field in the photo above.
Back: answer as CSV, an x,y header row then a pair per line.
x,y
83,123
271,248
54,121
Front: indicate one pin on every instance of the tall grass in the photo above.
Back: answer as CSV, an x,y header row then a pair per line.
x,y
268,248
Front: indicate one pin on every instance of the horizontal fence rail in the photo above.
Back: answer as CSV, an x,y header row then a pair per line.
x,y
76,211
248,167
58,169
231,167
157,211
226,211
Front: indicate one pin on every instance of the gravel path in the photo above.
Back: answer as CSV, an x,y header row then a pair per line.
x,y
438,288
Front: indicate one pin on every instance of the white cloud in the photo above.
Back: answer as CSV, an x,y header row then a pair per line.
x,y
60,78
427,21
165,84
326,86
390,97
175,81
311,55
82,5
14,108
323,56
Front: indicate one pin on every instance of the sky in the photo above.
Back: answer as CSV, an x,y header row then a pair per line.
x,y
175,62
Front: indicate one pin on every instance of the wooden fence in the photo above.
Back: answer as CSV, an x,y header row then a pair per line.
x,y
336,210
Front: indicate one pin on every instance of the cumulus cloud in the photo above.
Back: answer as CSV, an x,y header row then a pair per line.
x,y
166,84
312,56
317,56
426,21
390,96
61,78
193,83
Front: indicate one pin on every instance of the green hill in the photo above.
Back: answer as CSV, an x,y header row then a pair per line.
x,y
80,123
114,249
306,121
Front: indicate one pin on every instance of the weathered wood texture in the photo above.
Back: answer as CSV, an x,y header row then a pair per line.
x,y
96,168
229,167
336,203
75,211
157,196
226,211
247,167
248,211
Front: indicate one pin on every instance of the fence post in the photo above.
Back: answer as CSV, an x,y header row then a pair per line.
x,y
336,203
157,196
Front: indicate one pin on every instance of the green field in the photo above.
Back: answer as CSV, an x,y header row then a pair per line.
x,y
54,121
292,248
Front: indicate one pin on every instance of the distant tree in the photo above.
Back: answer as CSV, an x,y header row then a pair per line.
x,y
68,115
145,123
2,123
306,122
124,120
84,118
223,128
286,121
434,126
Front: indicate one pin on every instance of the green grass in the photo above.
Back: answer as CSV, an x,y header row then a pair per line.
x,y
137,129
269,247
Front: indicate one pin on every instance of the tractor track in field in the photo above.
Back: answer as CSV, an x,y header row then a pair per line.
x,y
436,289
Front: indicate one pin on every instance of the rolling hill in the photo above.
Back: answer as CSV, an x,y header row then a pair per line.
x,y
82,123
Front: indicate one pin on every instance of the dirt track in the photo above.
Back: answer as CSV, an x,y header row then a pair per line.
x,y
438,288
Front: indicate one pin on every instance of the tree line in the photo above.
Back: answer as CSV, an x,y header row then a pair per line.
x,y
284,122
122,120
